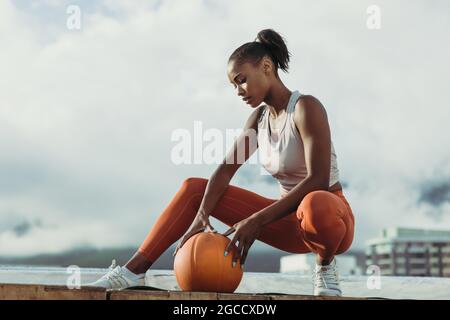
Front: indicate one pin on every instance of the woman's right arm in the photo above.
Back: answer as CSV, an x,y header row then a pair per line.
x,y
242,149
221,177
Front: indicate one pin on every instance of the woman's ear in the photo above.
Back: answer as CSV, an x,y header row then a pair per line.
x,y
267,65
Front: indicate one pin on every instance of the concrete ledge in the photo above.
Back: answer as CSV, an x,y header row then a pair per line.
x,y
43,292
253,284
51,292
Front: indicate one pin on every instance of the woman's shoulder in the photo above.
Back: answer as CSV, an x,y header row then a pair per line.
x,y
308,107
307,101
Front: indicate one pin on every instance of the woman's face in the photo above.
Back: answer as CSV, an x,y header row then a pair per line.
x,y
250,81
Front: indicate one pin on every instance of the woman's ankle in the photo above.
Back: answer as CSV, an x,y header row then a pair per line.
x,y
324,261
138,264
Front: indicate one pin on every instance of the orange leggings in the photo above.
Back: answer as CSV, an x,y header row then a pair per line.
x,y
323,222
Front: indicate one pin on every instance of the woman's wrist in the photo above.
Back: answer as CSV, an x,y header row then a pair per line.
x,y
257,218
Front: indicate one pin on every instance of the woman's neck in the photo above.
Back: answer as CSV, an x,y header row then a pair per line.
x,y
277,99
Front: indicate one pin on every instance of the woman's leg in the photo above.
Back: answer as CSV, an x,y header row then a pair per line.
x,y
235,204
327,222
323,222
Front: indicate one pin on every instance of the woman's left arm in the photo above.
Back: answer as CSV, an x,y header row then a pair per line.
x,y
311,120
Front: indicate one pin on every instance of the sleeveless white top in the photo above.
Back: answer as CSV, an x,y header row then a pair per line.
x,y
281,151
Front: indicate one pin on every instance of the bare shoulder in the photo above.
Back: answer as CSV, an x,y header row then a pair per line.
x,y
310,116
308,106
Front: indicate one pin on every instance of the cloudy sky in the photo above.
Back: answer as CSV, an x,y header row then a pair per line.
x,y
86,115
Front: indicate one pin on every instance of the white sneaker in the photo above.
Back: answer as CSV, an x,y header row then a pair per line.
x,y
118,278
326,280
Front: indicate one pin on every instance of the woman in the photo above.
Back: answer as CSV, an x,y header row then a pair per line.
x,y
293,135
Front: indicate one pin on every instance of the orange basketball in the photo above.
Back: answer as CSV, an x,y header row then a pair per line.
x,y
201,266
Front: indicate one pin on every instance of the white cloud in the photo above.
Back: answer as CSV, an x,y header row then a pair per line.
x,y
86,116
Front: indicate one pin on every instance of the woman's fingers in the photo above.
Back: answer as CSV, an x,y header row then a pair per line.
x,y
244,254
180,244
211,228
186,237
175,252
229,231
238,256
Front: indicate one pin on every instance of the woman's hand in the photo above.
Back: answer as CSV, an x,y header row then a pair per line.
x,y
200,223
247,230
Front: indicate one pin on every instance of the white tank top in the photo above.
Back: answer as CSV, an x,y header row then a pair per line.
x,y
281,151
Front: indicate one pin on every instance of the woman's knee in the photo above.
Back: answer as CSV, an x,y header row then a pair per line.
x,y
194,184
317,209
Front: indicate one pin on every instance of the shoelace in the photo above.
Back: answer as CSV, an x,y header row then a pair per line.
x,y
115,276
113,265
323,277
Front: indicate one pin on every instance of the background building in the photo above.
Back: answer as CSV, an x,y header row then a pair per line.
x,y
410,252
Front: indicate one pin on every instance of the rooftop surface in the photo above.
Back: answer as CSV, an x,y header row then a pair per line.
x,y
252,282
